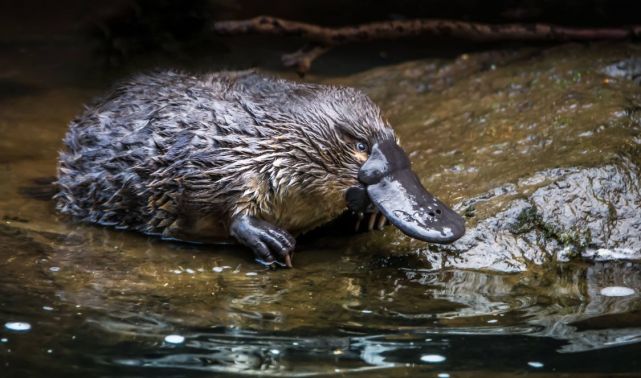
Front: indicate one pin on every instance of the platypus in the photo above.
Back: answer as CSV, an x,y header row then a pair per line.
x,y
240,155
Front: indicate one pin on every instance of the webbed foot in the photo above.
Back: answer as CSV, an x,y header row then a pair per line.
x,y
270,244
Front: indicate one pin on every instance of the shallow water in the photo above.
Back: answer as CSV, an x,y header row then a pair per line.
x,y
101,302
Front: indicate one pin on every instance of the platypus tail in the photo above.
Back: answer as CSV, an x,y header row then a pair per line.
x,y
41,188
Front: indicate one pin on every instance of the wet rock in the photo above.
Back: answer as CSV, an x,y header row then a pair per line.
x,y
588,212
629,69
593,208
538,149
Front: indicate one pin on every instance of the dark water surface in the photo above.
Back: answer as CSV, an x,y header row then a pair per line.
x,y
102,302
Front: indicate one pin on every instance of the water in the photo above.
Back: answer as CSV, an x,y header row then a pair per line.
x,y
101,302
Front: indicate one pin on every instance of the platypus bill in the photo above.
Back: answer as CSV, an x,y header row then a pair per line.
x,y
238,154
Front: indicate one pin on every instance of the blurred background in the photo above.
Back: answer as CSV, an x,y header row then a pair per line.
x,y
127,35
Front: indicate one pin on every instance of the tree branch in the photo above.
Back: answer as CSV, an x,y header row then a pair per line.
x,y
323,38
303,58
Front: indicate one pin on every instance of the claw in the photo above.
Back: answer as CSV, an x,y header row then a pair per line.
x,y
381,221
372,220
288,261
359,219
268,242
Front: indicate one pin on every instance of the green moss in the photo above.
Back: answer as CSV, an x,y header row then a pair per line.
x,y
527,220
469,211
530,220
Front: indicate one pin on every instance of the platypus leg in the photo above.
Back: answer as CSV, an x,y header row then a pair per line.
x,y
268,242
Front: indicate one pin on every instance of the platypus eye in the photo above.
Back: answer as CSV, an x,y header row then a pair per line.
x,y
362,146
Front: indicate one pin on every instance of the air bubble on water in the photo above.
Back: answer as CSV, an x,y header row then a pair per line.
x,y
432,358
175,339
47,308
535,364
217,269
251,274
18,326
443,375
54,268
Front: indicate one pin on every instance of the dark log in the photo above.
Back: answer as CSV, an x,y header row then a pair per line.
x,y
323,38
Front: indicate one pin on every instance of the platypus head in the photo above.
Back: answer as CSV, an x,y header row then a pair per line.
x,y
360,156
386,180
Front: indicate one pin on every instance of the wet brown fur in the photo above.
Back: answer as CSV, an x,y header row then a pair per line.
x,y
180,155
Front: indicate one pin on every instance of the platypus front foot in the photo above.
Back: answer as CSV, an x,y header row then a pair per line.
x,y
270,244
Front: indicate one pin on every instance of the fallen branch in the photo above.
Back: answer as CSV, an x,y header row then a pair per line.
x,y
324,38
303,58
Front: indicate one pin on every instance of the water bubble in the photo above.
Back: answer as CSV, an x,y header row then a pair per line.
x,y
190,271
54,268
443,375
617,291
492,321
535,364
18,326
4,340
47,308
275,351
217,269
175,339
432,358
251,274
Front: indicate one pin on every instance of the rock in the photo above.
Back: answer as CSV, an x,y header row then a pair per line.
x,y
539,149
582,212
627,69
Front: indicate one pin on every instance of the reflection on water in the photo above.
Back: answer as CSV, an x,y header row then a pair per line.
x,y
100,302
115,297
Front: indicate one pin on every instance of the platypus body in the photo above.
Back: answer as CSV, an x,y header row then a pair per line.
x,y
240,155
